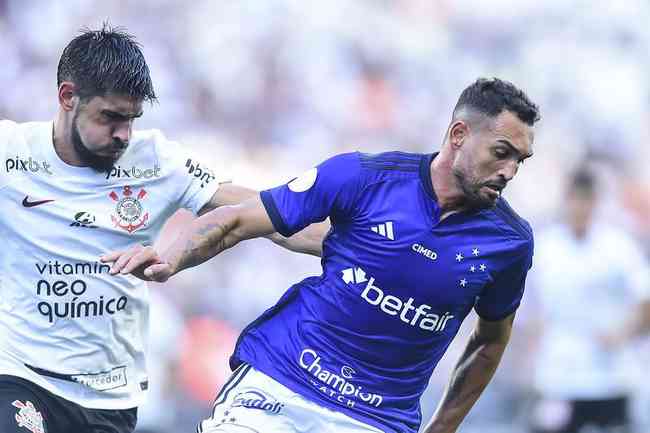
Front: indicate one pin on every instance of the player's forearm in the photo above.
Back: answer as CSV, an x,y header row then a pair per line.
x,y
469,378
206,237
307,241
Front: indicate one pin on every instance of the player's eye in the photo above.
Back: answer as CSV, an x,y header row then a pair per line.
x,y
501,152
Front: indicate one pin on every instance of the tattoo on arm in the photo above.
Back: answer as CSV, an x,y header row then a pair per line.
x,y
208,240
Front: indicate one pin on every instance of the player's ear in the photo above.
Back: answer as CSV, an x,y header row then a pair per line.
x,y
457,133
66,95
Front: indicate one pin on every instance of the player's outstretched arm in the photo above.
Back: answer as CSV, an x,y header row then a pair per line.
x,y
307,241
471,374
207,236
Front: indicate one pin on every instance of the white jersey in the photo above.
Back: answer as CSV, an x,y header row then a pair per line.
x,y
65,323
586,288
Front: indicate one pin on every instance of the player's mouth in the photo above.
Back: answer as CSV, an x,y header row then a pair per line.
x,y
494,189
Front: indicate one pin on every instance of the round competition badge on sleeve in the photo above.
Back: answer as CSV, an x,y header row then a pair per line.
x,y
305,181
129,209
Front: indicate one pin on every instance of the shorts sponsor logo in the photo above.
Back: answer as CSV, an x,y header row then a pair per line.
x,y
421,316
305,181
203,174
28,165
28,417
129,212
66,298
257,400
105,381
134,172
339,388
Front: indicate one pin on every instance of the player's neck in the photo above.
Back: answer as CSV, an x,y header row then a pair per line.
x,y
62,142
451,198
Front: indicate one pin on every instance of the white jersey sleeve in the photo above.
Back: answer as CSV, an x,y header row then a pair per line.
x,y
635,269
191,179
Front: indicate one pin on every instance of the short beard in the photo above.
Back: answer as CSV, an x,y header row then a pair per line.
x,y
471,192
98,163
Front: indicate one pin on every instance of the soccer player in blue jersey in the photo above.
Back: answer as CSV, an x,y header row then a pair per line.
x,y
416,242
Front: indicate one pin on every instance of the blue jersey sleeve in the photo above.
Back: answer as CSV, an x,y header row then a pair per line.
x,y
503,296
330,189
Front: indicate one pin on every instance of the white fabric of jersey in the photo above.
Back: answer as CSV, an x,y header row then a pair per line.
x,y
585,289
60,310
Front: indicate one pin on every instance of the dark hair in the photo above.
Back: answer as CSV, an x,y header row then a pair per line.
x,y
583,181
492,96
106,61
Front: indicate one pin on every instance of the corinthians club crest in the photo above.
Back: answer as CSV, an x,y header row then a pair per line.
x,y
129,209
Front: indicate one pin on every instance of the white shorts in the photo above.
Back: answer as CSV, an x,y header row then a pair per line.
x,y
252,402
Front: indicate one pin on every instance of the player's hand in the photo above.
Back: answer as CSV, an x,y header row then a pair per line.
x,y
143,262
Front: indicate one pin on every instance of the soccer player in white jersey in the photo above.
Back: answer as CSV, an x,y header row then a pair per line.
x,y
592,285
72,338
417,242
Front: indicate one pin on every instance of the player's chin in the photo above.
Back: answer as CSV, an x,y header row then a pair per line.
x,y
485,201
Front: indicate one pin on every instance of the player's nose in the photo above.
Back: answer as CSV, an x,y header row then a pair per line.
x,y
122,135
508,170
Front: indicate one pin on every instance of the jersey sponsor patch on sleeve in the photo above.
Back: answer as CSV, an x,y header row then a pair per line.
x,y
305,181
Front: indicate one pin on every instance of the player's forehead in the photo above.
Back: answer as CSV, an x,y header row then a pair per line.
x,y
508,127
116,103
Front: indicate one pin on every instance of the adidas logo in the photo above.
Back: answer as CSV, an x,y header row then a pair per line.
x,y
385,230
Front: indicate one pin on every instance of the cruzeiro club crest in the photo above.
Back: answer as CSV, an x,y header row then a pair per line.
x,y
129,209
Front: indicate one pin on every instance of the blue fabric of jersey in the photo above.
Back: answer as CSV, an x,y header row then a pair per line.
x,y
364,337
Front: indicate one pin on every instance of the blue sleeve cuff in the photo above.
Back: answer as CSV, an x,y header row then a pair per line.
x,y
496,318
274,214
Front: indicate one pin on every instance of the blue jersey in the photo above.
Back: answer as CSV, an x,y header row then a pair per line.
x,y
364,337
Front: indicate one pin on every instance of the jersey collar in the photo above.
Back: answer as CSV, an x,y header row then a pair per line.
x,y
425,174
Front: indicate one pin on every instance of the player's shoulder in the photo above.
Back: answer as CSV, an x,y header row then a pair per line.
x,y
10,127
391,162
373,168
7,125
19,135
152,140
510,221
150,146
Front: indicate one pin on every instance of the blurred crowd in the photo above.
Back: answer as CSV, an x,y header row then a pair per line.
x,y
263,90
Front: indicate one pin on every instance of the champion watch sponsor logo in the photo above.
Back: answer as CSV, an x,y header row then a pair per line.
x,y
257,400
408,312
385,230
335,386
27,202
28,417
201,173
28,165
129,211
